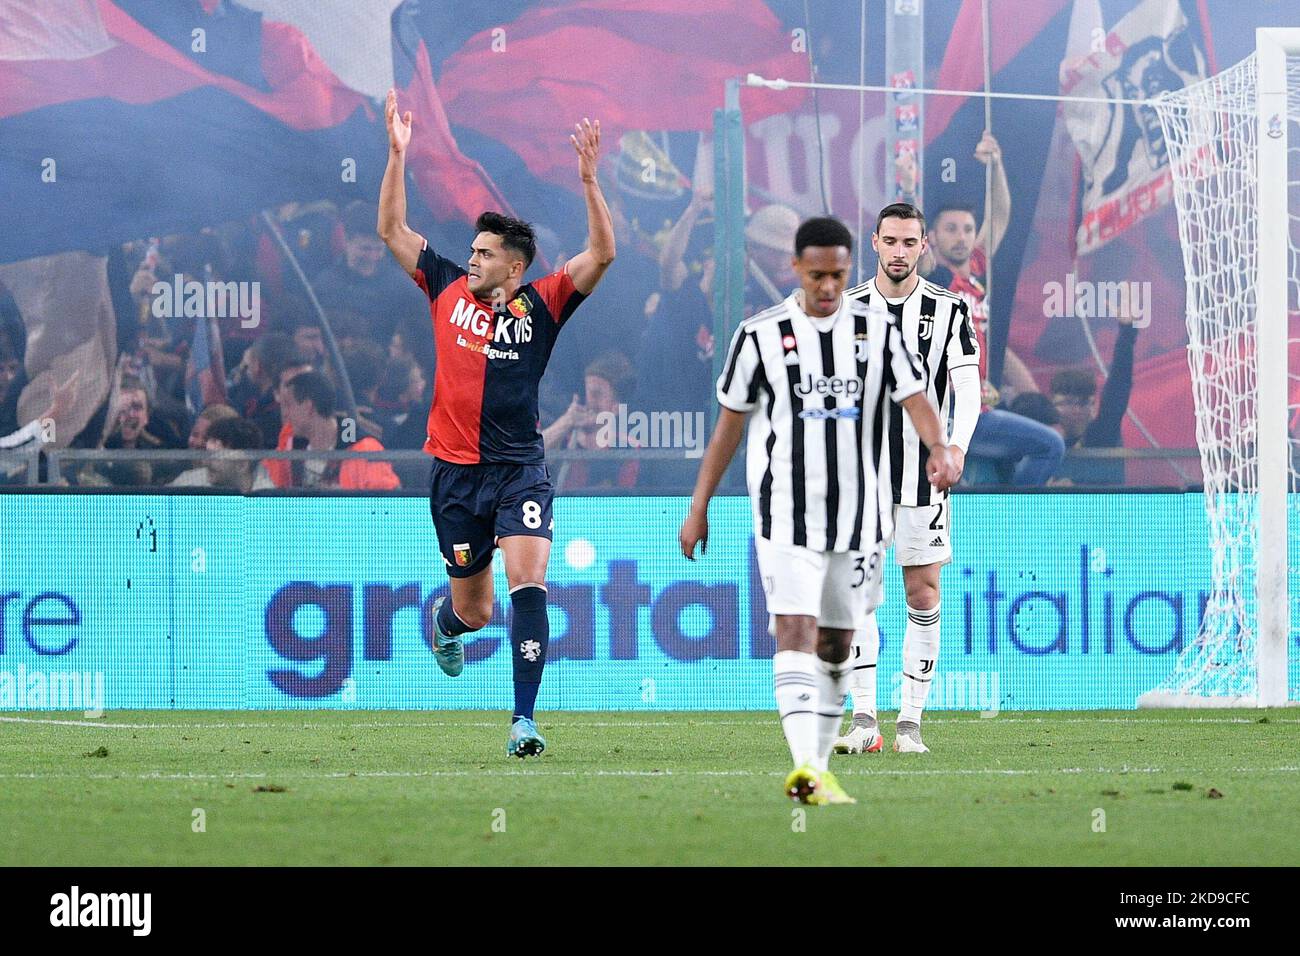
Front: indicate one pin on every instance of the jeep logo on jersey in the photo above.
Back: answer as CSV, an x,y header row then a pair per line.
x,y
471,317
833,385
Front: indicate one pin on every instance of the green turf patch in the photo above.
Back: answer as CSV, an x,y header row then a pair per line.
x,y
435,788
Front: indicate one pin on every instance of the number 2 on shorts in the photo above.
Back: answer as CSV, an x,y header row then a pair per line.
x,y
937,523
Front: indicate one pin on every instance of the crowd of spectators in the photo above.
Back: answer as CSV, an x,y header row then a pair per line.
x,y
645,342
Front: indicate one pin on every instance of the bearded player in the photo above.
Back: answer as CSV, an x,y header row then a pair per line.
x,y
937,329
489,485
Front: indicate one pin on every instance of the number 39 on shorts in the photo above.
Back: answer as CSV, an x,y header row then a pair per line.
x,y
865,568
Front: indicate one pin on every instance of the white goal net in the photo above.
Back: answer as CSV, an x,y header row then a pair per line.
x,y
1239,235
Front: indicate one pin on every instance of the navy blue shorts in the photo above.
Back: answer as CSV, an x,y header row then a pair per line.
x,y
473,505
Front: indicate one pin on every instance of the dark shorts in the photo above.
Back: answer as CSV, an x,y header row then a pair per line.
x,y
473,505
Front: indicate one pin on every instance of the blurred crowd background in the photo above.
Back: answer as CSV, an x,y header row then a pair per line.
x,y
242,143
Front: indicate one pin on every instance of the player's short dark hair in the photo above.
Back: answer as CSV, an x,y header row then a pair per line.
x,y
901,210
822,231
516,235
236,433
1036,406
951,206
1075,382
315,388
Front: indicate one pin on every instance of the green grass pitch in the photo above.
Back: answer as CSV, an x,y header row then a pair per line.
x,y
435,788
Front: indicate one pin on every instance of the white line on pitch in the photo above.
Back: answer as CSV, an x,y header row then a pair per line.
x,y
564,722
920,772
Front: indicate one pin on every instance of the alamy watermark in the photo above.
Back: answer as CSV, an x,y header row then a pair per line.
x,y
638,429
1084,299
52,690
211,299
130,910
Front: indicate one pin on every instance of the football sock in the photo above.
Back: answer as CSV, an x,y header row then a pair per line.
x,y
920,651
794,676
530,632
448,621
862,677
832,681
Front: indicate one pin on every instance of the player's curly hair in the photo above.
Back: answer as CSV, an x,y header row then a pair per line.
x,y
822,231
516,235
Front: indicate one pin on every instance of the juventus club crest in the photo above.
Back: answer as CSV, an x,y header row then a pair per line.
x,y
926,327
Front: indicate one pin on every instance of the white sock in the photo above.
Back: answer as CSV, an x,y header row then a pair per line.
x,y
795,678
862,678
920,652
832,681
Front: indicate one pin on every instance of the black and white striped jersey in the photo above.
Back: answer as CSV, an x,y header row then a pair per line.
x,y
817,460
940,336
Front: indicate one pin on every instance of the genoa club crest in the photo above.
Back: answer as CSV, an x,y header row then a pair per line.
x,y
519,306
463,555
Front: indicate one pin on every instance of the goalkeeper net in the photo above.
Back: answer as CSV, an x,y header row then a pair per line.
x,y
1229,222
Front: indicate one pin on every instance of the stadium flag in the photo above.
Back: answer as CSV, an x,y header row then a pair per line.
x,y
1156,46
1025,50
68,314
205,373
551,66
198,113
963,60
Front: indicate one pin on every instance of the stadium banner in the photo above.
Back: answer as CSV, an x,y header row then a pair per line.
x,y
1126,176
206,601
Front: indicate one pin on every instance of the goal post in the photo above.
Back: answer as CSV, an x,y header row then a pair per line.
x,y
1234,146
1273,47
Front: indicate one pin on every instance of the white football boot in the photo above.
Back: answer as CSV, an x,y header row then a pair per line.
x,y
907,739
863,738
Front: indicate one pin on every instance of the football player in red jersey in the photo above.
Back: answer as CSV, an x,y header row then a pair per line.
x,y
489,487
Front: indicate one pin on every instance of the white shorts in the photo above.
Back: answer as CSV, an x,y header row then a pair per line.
x,y
839,588
923,534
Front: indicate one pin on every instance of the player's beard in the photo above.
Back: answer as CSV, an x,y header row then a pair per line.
x,y
903,277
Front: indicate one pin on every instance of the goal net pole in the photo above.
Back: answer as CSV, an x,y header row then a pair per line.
x,y
1273,607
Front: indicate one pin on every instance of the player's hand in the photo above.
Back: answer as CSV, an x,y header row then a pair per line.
x,y
941,468
958,459
988,150
399,127
586,142
695,530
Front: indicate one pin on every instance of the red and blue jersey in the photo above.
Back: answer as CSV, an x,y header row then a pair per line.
x,y
490,363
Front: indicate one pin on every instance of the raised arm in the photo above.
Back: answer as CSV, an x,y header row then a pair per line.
x,y
586,268
672,270
404,243
999,213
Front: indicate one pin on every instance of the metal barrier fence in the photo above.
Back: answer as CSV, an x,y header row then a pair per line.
x,y
24,467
